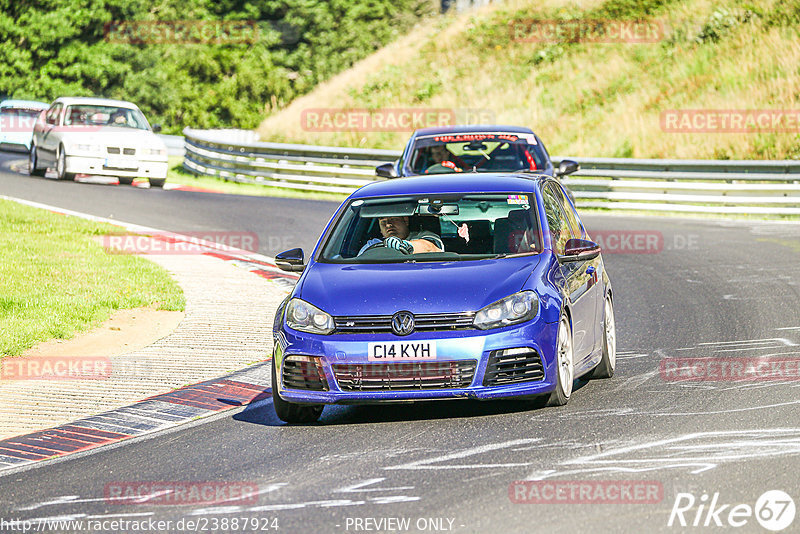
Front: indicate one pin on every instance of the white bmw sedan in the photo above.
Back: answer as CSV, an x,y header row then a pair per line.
x,y
97,136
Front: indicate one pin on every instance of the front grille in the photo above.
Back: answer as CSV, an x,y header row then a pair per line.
x,y
381,324
512,366
404,375
116,150
304,372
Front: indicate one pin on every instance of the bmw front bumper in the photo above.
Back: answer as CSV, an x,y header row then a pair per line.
x,y
98,166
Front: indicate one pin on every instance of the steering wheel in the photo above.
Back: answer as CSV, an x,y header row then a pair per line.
x,y
375,245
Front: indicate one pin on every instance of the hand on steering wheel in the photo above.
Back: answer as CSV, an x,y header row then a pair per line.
x,y
399,244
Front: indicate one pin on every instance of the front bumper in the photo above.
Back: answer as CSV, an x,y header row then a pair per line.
x,y
97,166
15,143
451,346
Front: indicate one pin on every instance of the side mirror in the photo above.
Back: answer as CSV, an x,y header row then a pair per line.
x,y
291,260
386,170
156,128
580,250
567,166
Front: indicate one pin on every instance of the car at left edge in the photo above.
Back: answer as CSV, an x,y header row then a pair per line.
x,y
17,118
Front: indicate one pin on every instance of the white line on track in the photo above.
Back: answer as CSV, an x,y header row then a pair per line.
x,y
426,464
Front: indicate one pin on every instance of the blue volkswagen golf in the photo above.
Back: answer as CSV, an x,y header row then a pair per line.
x,y
483,287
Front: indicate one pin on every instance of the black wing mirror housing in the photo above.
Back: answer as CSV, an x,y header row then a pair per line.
x,y
386,170
580,250
156,128
291,260
567,166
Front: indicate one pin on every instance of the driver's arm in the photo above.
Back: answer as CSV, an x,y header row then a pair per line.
x,y
423,245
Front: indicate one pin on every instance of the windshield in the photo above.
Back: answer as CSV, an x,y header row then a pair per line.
x,y
93,115
434,228
18,119
478,152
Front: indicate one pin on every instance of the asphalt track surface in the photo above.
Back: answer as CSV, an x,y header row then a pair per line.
x,y
712,289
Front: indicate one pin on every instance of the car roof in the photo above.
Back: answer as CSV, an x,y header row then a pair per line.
x,y
476,128
448,183
24,104
70,100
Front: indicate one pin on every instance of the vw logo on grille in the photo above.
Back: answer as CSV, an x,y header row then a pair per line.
x,y
403,323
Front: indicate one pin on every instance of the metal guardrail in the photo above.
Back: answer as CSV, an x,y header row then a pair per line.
x,y
174,143
707,186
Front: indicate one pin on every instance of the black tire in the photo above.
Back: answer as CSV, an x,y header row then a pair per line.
x,y
61,165
289,412
125,180
565,365
157,182
33,162
605,369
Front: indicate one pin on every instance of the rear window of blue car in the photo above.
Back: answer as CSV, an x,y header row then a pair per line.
x,y
466,227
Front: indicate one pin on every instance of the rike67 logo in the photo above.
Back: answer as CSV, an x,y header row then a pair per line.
x,y
774,510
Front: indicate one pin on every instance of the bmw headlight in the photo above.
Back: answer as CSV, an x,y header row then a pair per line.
x,y
86,147
516,308
302,316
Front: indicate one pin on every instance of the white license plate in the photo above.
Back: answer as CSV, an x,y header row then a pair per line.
x,y
122,163
394,351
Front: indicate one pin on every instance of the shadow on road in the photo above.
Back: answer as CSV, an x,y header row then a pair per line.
x,y
263,413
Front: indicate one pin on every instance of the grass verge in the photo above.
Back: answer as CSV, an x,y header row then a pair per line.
x,y
56,280
178,175
584,98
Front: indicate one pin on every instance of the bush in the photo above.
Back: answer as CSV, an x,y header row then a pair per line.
x,y
63,48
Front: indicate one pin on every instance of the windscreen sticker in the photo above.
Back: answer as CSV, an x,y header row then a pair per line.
x,y
518,199
475,137
530,138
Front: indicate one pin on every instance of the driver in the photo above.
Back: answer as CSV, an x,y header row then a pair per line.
x,y
397,235
443,160
118,118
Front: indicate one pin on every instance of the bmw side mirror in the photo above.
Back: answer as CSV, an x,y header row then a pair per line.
x,y
156,128
386,170
580,250
291,260
567,166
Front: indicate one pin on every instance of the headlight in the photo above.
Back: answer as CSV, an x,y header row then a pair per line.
x,y
516,308
302,316
83,147
155,151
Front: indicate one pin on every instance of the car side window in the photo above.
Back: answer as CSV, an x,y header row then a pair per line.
x,y
52,115
575,225
560,231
